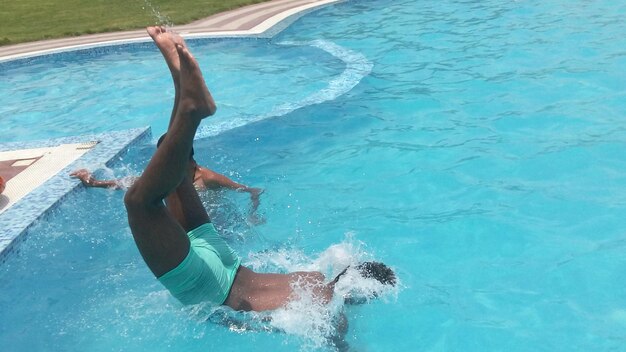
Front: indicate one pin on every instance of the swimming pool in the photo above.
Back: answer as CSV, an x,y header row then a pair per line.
x,y
477,147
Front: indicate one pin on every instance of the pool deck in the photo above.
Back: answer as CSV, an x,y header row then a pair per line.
x,y
252,20
46,178
37,172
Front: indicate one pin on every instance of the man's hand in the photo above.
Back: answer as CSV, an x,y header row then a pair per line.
x,y
84,176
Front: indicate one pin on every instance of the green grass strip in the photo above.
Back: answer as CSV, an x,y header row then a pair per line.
x,y
30,20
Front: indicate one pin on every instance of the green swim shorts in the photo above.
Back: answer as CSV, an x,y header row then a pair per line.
x,y
208,271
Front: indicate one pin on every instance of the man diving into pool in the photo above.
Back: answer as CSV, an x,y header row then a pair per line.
x,y
172,229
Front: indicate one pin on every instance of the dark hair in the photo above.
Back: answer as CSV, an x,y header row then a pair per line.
x,y
373,270
378,271
161,141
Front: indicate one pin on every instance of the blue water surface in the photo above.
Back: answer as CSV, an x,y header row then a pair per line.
x,y
477,147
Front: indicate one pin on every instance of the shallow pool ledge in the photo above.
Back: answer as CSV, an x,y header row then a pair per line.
x,y
17,219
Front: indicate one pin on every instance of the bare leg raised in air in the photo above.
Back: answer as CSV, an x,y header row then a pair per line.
x,y
171,227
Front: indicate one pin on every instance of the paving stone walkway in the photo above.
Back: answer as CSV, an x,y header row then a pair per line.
x,y
248,20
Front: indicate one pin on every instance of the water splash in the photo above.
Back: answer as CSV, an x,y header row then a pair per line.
x,y
311,322
306,318
161,19
357,67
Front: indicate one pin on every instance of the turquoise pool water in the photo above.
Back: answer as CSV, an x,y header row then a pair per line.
x,y
476,147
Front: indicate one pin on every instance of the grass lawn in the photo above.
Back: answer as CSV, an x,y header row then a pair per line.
x,y
29,20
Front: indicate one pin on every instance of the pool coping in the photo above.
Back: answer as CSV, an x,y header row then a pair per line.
x,y
34,167
36,205
268,19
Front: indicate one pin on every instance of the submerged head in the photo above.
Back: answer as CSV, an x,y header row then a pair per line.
x,y
379,271
367,280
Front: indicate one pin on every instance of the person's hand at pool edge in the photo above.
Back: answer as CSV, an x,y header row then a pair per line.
x,y
86,177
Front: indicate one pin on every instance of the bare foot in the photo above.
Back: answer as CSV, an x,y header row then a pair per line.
x,y
195,99
166,42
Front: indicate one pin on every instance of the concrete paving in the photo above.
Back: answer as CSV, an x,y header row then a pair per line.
x,y
248,20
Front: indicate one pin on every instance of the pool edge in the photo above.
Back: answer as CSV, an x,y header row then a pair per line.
x,y
267,28
17,220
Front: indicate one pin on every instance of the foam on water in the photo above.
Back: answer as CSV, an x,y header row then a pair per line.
x,y
357,67
311,322
307,318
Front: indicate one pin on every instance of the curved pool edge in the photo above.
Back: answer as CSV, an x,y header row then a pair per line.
x,y
264,23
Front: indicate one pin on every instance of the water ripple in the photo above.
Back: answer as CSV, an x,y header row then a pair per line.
x,y
357,67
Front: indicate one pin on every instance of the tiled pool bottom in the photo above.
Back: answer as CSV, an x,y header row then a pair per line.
x,y
15,221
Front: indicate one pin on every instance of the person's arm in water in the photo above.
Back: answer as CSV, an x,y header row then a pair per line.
x,y
209,179
2,185
88,180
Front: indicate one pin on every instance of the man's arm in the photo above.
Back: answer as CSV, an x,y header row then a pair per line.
x,y
214,180
88,180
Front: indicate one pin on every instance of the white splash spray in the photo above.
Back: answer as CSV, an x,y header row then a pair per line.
x,y
161,19
314,322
